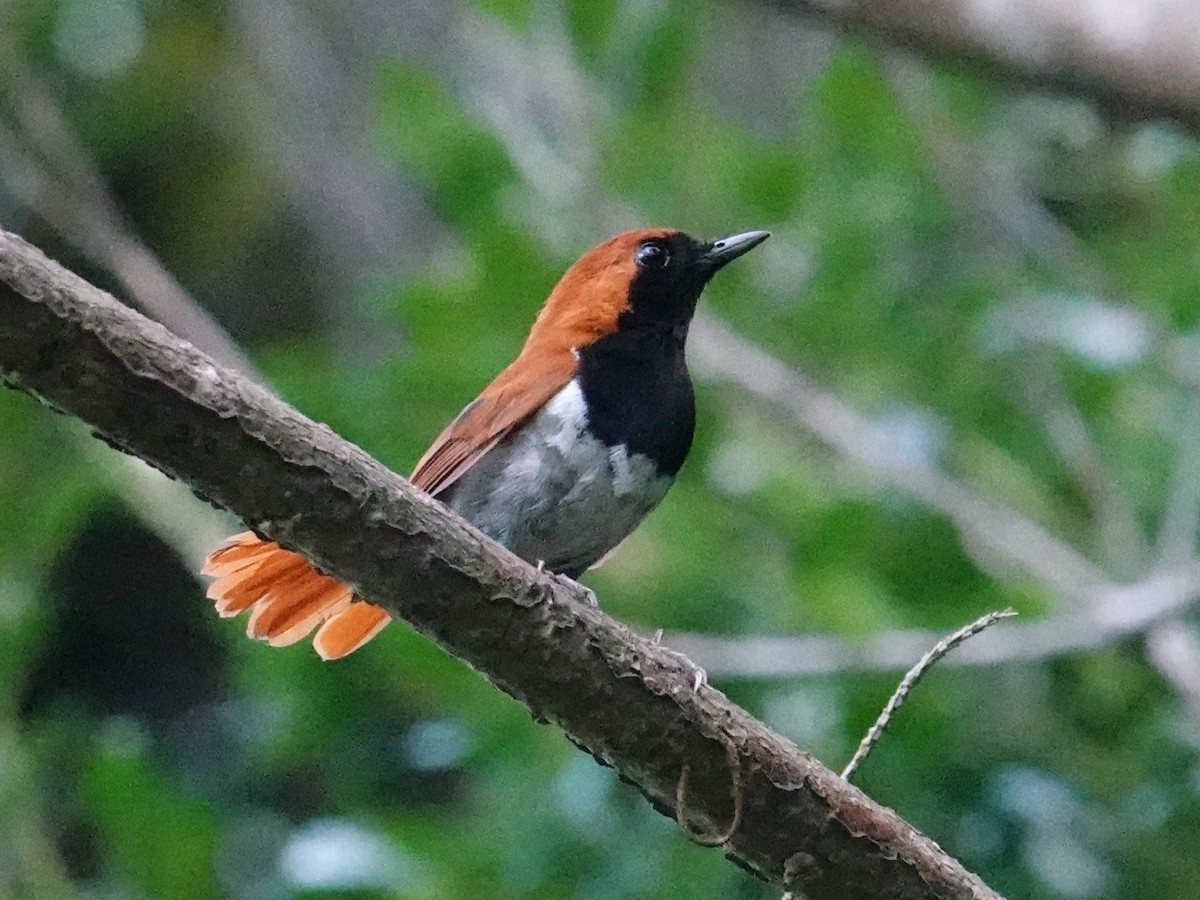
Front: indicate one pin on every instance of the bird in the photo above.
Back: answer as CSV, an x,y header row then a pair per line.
x,y
559,458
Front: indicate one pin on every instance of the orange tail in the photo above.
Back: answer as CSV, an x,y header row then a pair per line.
x,y
288,597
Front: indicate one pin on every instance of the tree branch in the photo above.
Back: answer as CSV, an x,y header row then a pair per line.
x,y
618,696
1140,59
910,679
59,182
717,353
1098,609
1117,613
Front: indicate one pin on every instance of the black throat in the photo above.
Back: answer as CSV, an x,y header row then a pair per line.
x,y
638,392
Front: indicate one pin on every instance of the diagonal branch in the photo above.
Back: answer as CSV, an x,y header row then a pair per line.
x,y
1139,59
910,679
719,354
1116,614
48,171
618,696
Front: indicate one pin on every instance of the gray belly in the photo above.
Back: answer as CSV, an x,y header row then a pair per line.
x,y
552,493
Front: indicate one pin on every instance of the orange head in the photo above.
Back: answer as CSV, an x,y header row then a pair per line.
x,y
638,278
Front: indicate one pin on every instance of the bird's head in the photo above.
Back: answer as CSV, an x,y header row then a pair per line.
x,y
644,278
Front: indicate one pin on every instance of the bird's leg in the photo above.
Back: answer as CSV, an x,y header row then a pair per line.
x,y
699,676
567,582
589,596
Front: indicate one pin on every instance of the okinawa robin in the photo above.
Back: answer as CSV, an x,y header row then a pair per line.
x,y
559,458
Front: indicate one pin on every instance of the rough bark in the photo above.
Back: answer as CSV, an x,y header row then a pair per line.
x,y
618,696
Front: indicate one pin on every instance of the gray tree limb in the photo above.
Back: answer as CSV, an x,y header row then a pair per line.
x,y
619,696
1140,59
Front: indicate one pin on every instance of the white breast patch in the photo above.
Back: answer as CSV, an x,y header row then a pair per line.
x,y
554,493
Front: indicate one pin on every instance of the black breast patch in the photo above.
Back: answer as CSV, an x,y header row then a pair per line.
x,y
638,393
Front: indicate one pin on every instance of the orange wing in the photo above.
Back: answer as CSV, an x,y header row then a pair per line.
x,y
515,395
289,597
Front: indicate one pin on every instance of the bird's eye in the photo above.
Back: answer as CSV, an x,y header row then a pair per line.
x,y
653,256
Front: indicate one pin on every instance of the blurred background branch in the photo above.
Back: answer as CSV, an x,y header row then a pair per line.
x,y
1139,60
51,174
1116,615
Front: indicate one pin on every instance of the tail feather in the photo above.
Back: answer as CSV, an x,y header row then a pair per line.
x,y
280,590
349,630
314,598
281,597
287,597
238,592
238,552
285,636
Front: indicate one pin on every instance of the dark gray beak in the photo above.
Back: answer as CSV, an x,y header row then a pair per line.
x,y
730,248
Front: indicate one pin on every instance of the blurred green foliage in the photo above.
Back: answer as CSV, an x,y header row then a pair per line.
x,y
961,262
